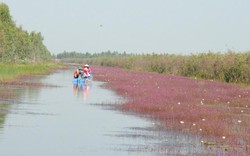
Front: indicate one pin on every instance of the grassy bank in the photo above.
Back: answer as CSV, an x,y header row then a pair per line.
x,y
217,112
9,71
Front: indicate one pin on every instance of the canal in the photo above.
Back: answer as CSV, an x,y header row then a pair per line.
x,y
58,119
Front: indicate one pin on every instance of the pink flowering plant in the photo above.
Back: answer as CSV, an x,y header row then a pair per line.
x,y
207,108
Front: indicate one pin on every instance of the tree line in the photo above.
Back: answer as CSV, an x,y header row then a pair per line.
x,y
18,45
78,55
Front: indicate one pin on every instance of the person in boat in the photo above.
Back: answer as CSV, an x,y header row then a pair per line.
x,y
89,69
86,72
78,72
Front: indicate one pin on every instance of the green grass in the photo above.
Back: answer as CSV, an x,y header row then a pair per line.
x,y
11,71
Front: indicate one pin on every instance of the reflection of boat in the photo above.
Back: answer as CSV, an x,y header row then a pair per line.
x,y
81,86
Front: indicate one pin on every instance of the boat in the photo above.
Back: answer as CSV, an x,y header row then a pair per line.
x,y
82,80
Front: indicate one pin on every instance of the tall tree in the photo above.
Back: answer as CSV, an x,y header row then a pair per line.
x,y
17,44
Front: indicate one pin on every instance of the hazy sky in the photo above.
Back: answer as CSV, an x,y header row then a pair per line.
x,y
137,26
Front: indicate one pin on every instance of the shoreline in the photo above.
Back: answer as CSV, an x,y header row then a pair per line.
x,y
208,109
12,73
217,110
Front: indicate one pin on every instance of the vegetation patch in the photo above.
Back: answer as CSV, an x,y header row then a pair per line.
x,y
18,45
9,72
206,108
230,67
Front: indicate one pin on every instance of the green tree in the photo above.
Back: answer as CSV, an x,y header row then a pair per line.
x,y
17,44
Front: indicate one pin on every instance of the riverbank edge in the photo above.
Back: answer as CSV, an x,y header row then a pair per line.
x,y
12,73
222,137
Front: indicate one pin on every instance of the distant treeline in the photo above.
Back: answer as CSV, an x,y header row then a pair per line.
x,y
18,45
77,55
228,67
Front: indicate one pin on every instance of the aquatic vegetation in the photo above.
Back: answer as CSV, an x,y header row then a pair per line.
x,y
215,110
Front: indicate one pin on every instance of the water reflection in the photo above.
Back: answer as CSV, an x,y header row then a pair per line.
x,y
10,97
82,90
3,108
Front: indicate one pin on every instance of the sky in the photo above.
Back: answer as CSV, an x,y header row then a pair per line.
x,y
136,26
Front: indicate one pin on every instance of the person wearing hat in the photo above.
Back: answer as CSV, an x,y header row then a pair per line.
x,y
78,72
86,72
88,69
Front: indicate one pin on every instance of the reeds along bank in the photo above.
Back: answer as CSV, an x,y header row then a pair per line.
x,y
228,67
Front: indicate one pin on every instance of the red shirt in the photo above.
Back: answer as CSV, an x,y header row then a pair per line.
x,y
90,71
86,71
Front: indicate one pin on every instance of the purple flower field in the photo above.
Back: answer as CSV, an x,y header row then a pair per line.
x,y
210,109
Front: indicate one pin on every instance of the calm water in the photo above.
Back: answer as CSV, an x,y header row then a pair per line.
x,y
63,121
